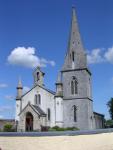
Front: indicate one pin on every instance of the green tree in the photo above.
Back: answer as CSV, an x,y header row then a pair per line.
x,y
7,128
109,123
110,107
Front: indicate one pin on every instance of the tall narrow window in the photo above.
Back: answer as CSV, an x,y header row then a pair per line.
x,y
49,114
75,113
36,99
74,86
73,56
37,76
39,99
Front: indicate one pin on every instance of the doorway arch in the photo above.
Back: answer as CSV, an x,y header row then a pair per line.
x,y
29,122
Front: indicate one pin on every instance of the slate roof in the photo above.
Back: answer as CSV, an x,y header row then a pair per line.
x,y
40,111
95,113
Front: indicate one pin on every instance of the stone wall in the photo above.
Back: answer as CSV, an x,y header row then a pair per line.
x,y
98,120
37,120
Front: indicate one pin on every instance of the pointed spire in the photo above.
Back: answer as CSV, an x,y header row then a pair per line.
x,y
75,57
75,37
19,83
19,90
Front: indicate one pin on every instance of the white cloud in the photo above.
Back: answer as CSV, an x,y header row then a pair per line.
x,y
3,85
95,56
6,108
25,89
109,55
44,62
27,57
9,97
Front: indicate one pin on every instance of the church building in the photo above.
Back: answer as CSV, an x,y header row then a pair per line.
x,y
71,105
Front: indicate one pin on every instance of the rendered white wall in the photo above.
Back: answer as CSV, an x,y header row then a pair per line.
x,y
47,101
59,111
17,110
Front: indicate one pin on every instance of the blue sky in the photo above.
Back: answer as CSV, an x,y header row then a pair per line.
x,y
42,28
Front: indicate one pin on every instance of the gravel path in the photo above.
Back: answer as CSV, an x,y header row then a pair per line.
x,y
81,142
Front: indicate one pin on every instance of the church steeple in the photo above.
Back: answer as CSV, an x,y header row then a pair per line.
x,y
75,57
19,90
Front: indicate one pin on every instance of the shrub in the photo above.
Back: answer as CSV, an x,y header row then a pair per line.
x,y
61,129
8,128
57,128
51,129
72,128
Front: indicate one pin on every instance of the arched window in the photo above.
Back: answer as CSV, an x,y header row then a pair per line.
x,y
49,114
37,99
75,113
73,56
37,76
74,86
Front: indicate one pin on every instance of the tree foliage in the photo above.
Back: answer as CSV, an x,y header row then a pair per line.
x,y
109,123
8,128
110,107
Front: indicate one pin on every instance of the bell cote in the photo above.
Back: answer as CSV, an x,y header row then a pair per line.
x,y
38,77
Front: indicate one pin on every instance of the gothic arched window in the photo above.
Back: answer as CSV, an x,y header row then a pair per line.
x,y
49,114
73,56
74,86
75,113
37,76
37,99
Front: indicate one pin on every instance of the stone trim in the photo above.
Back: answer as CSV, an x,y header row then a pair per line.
x,y
79,69
58,96
18,99
78,98
59,122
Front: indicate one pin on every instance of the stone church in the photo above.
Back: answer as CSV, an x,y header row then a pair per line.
x,y
71,105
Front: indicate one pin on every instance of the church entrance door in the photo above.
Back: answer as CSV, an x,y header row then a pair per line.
x,y
29,122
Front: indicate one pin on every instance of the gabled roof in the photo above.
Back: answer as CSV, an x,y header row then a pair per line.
x,y
95,113
35,108
50,91
38,109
